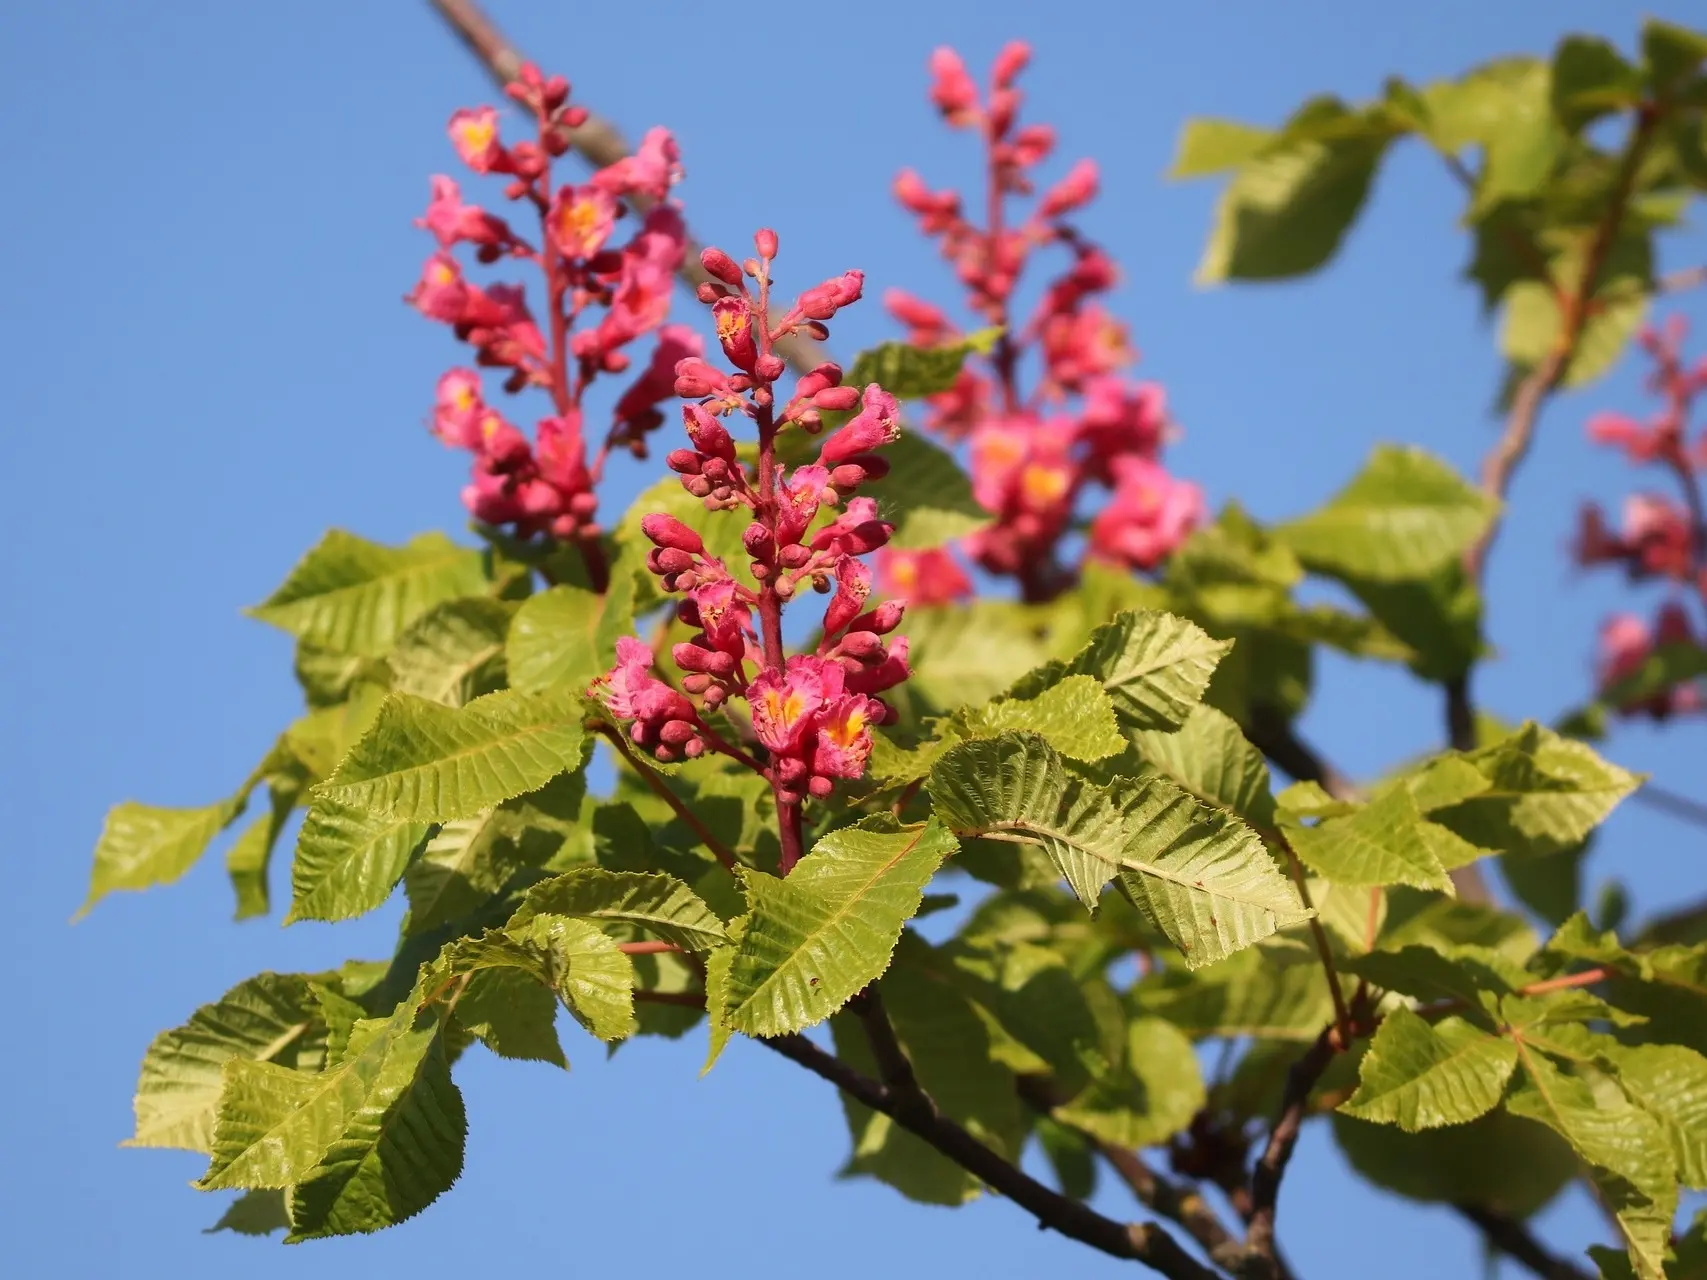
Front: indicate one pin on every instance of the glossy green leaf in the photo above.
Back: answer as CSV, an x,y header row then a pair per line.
x,y
575,959
512,1015
1250,993
436,764
1422,1076
1074,715
1153,665
454,652
816,939
1669,1082
1545,793
1200,874
142,845
1148,1099
1404,516
355,596
653,903
553,640
968,654
1210,758
348,861
250,857
1383,843
269,1018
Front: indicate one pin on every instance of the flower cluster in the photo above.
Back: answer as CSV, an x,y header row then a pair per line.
x,y
1657,539
808,529
1082,423
545,485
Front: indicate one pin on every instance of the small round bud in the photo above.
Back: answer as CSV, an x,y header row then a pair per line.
x,y
720,265
764,241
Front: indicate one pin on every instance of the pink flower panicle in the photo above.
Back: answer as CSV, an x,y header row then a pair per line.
x,y
1658,538
808,530
1083,424
545,485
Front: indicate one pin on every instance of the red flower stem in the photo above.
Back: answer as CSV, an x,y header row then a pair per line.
x,y
661,789
770,604
646,948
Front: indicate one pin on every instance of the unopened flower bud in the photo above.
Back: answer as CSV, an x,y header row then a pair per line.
x,y
847,476
820,788
697,683
670,560
667,531
770,367
785,588
720,265
836,399
863,646
685,461
794,555
709,291
677,732
765,242
759,541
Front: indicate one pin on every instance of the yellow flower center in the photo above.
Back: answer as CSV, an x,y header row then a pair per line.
x,y
847,732
1043,485
477,134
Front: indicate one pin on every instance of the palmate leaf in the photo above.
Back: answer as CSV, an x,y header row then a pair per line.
x,y
1669,1082
1075,716
1419,1076
355,596
389,1164
1200,874
814,940
1210,758
435,764
454,652
652,902
1403,517
1633,1160
1247,994
1149,1098
553,640
142,845
1383,843
348,861
269,1018
1153,666
1545,793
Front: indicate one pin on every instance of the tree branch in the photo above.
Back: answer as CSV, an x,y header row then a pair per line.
x,y
1272,734
1512,1237
1301,1080
1139,1242
596,139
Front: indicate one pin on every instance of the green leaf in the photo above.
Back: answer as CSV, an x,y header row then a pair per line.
x,y
1533,326
1200,874
814,940
1419,1076
454,652
396,1156
1210,758
1669,1082
1498,1160
1153,665
1070,1157
1250,993
421,760
968,654
1286,210
142,846
1074,715
1150,1098
587,970
1404,516
909,373
513,1015
1439,973
251,854
1670,55
348,861
355,596
948,1046
328,677
1545,793
1384,843
1437,616
654,903
254,1213
1209,146
268,1018
1591,78
469,860
926,495
717,967
553,640
1520,153
1623,1142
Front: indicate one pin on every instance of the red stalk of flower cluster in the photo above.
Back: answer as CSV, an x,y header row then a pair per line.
x,y
1033,454
546,486
810,713
1658,539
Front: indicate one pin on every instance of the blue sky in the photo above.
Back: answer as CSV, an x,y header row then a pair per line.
x,y
206,239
